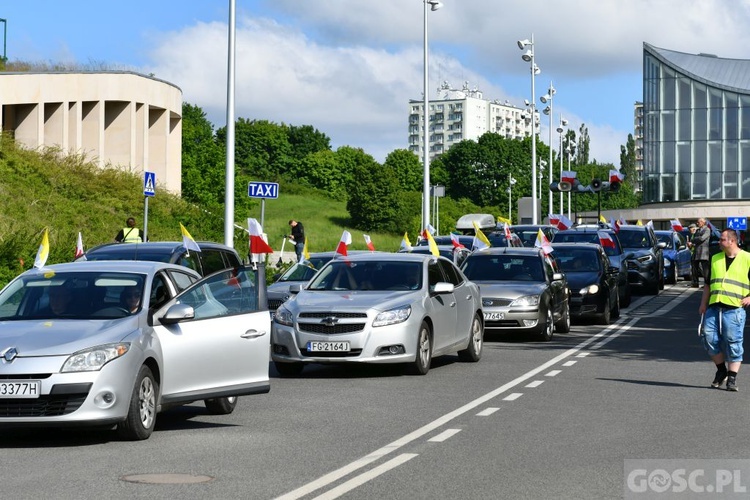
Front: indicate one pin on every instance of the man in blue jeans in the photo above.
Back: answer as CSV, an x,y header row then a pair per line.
x,y
725,295
298,235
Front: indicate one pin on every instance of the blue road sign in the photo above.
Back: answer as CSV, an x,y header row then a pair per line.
x,y
263,189
149,184
737,223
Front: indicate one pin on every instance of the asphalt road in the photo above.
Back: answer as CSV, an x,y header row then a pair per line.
x,y
530,420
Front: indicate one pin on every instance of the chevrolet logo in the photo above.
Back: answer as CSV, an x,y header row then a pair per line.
x,y
329,320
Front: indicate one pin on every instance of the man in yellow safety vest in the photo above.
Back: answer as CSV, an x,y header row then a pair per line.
x,y
129,234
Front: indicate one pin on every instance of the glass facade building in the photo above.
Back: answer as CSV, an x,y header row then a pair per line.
x,y
696,127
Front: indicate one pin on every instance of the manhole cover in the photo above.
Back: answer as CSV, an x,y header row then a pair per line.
x,y
167,478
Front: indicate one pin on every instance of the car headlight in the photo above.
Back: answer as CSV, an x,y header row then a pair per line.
x,y
284,316
527,301
645,259
590,290
94,358
393,316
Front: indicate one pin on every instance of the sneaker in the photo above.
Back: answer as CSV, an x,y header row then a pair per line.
x,y
719,379
732,384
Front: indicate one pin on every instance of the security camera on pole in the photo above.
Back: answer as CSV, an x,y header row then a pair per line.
x,y
547,99
528,56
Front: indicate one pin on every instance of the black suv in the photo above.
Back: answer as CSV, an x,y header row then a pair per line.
x,y
617,256
212,257
646,267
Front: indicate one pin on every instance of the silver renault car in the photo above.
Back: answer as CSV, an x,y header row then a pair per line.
x,y
379,308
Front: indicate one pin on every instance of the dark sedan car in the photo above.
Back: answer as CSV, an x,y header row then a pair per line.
x,y
646,268
676,255
592,281
520,291
528,232
617,257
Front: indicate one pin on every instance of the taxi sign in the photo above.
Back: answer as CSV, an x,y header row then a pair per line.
x,y
263,189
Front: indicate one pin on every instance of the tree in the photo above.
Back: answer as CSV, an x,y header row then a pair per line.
x,y
262,149
407,168
203,159
584,146
375,197
627,161
306,140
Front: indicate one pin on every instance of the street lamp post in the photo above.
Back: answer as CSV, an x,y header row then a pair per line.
x,y
528,56
570,150
542,166
433,5
5,37
561,130
547,98
511,181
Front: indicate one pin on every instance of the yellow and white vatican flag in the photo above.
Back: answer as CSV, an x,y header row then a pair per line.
x,y
43,253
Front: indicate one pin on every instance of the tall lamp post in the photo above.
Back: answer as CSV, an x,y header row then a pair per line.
x,y
511,181
5,37
561,131
570,149
542,166
528,56
547,99
433,5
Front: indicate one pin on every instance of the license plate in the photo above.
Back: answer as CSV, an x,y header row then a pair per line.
x,y
494,316
27,389
328,346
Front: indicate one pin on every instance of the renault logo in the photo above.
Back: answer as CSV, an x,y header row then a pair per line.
x,y
329,320
10,354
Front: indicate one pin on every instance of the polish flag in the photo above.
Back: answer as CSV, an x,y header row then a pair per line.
x,y
564,223
368,242
553,219
615,225
257,243
79,246
606,240
346,239
616,176
506,231
455,241
676,225
623,222
568,176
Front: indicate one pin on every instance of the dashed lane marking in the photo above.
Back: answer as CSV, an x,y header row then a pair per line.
x,y
448,433
487,412
552,373
535,383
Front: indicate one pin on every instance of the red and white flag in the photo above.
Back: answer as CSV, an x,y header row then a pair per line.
x,y
506,231
568,176
616,176
542,242
79,246
368,242
553,219
456,242
346,240
676,225
257,243
615,225
563,222
606,240
623,222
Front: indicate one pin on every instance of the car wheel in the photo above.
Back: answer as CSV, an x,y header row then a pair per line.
x,y
288,369
661,279
673,276
606,317
221,406
626,297
563,326
139,424
473,352
424,350
616,309
549,326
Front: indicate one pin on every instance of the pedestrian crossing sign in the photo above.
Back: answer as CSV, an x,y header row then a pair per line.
x,y
149,184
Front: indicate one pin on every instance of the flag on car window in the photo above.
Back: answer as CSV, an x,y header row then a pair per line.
x,y
480,240
346,240
507,233
405,243
79,246
542,242
43,252
188,240
561,222
455,241
676,225
602,219
305,251
369,243
615,225
257,243
606,240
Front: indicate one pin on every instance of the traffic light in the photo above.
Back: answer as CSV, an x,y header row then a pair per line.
x,y
560,187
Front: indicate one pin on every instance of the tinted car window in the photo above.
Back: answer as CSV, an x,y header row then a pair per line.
x,y
190,260
578,260
635,239
182,280
212,261
450,272
589,237
434,275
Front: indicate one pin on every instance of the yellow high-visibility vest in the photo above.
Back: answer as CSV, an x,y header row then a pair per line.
x,y
729,286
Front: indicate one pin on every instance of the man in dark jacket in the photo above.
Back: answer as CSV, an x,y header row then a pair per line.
x,y
298,235
699,245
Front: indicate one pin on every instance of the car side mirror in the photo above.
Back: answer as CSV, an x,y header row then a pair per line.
x,y
177,313
557,276
295,288
443,287
661,244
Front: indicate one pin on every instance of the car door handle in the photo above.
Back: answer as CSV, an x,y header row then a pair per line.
x,y
468,297
252,334
453,304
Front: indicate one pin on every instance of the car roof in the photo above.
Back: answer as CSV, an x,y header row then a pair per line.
x,y
507,251
390,257
127,248
577,245
130,266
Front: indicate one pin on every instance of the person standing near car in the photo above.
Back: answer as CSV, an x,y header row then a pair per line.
x,y
130,233
699,245
725,295
298,235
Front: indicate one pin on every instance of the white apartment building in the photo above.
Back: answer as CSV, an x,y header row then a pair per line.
x,y
456,115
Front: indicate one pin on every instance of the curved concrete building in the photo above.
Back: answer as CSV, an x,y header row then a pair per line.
x,y
116,118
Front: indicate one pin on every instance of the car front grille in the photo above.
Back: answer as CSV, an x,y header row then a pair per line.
x,y
43,406
326,354
274,304
332,314
336,329
507,323
490,302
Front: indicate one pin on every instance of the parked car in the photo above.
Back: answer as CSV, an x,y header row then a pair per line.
x,y
74,353
457,255
379,308
212,257
521,292
528,232
617,256
646,267
498,239
298,273
464,239
676,256
592,281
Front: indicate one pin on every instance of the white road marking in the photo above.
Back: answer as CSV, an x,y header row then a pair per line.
x,y
487,412
553,373
570,363
582,354
439,422
444,435
624,329
513,396
366,476
535,383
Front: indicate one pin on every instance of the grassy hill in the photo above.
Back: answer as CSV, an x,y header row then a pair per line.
x,y
69,194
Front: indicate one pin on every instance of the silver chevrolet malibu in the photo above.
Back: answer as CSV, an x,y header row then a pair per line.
x,y
379,308
99,343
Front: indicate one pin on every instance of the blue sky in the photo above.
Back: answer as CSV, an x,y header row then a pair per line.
x,y
349,68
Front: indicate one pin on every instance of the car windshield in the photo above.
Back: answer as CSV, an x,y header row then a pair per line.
x,y
634,239
369,275
74,295
588,237
577,260
303,271
503,268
